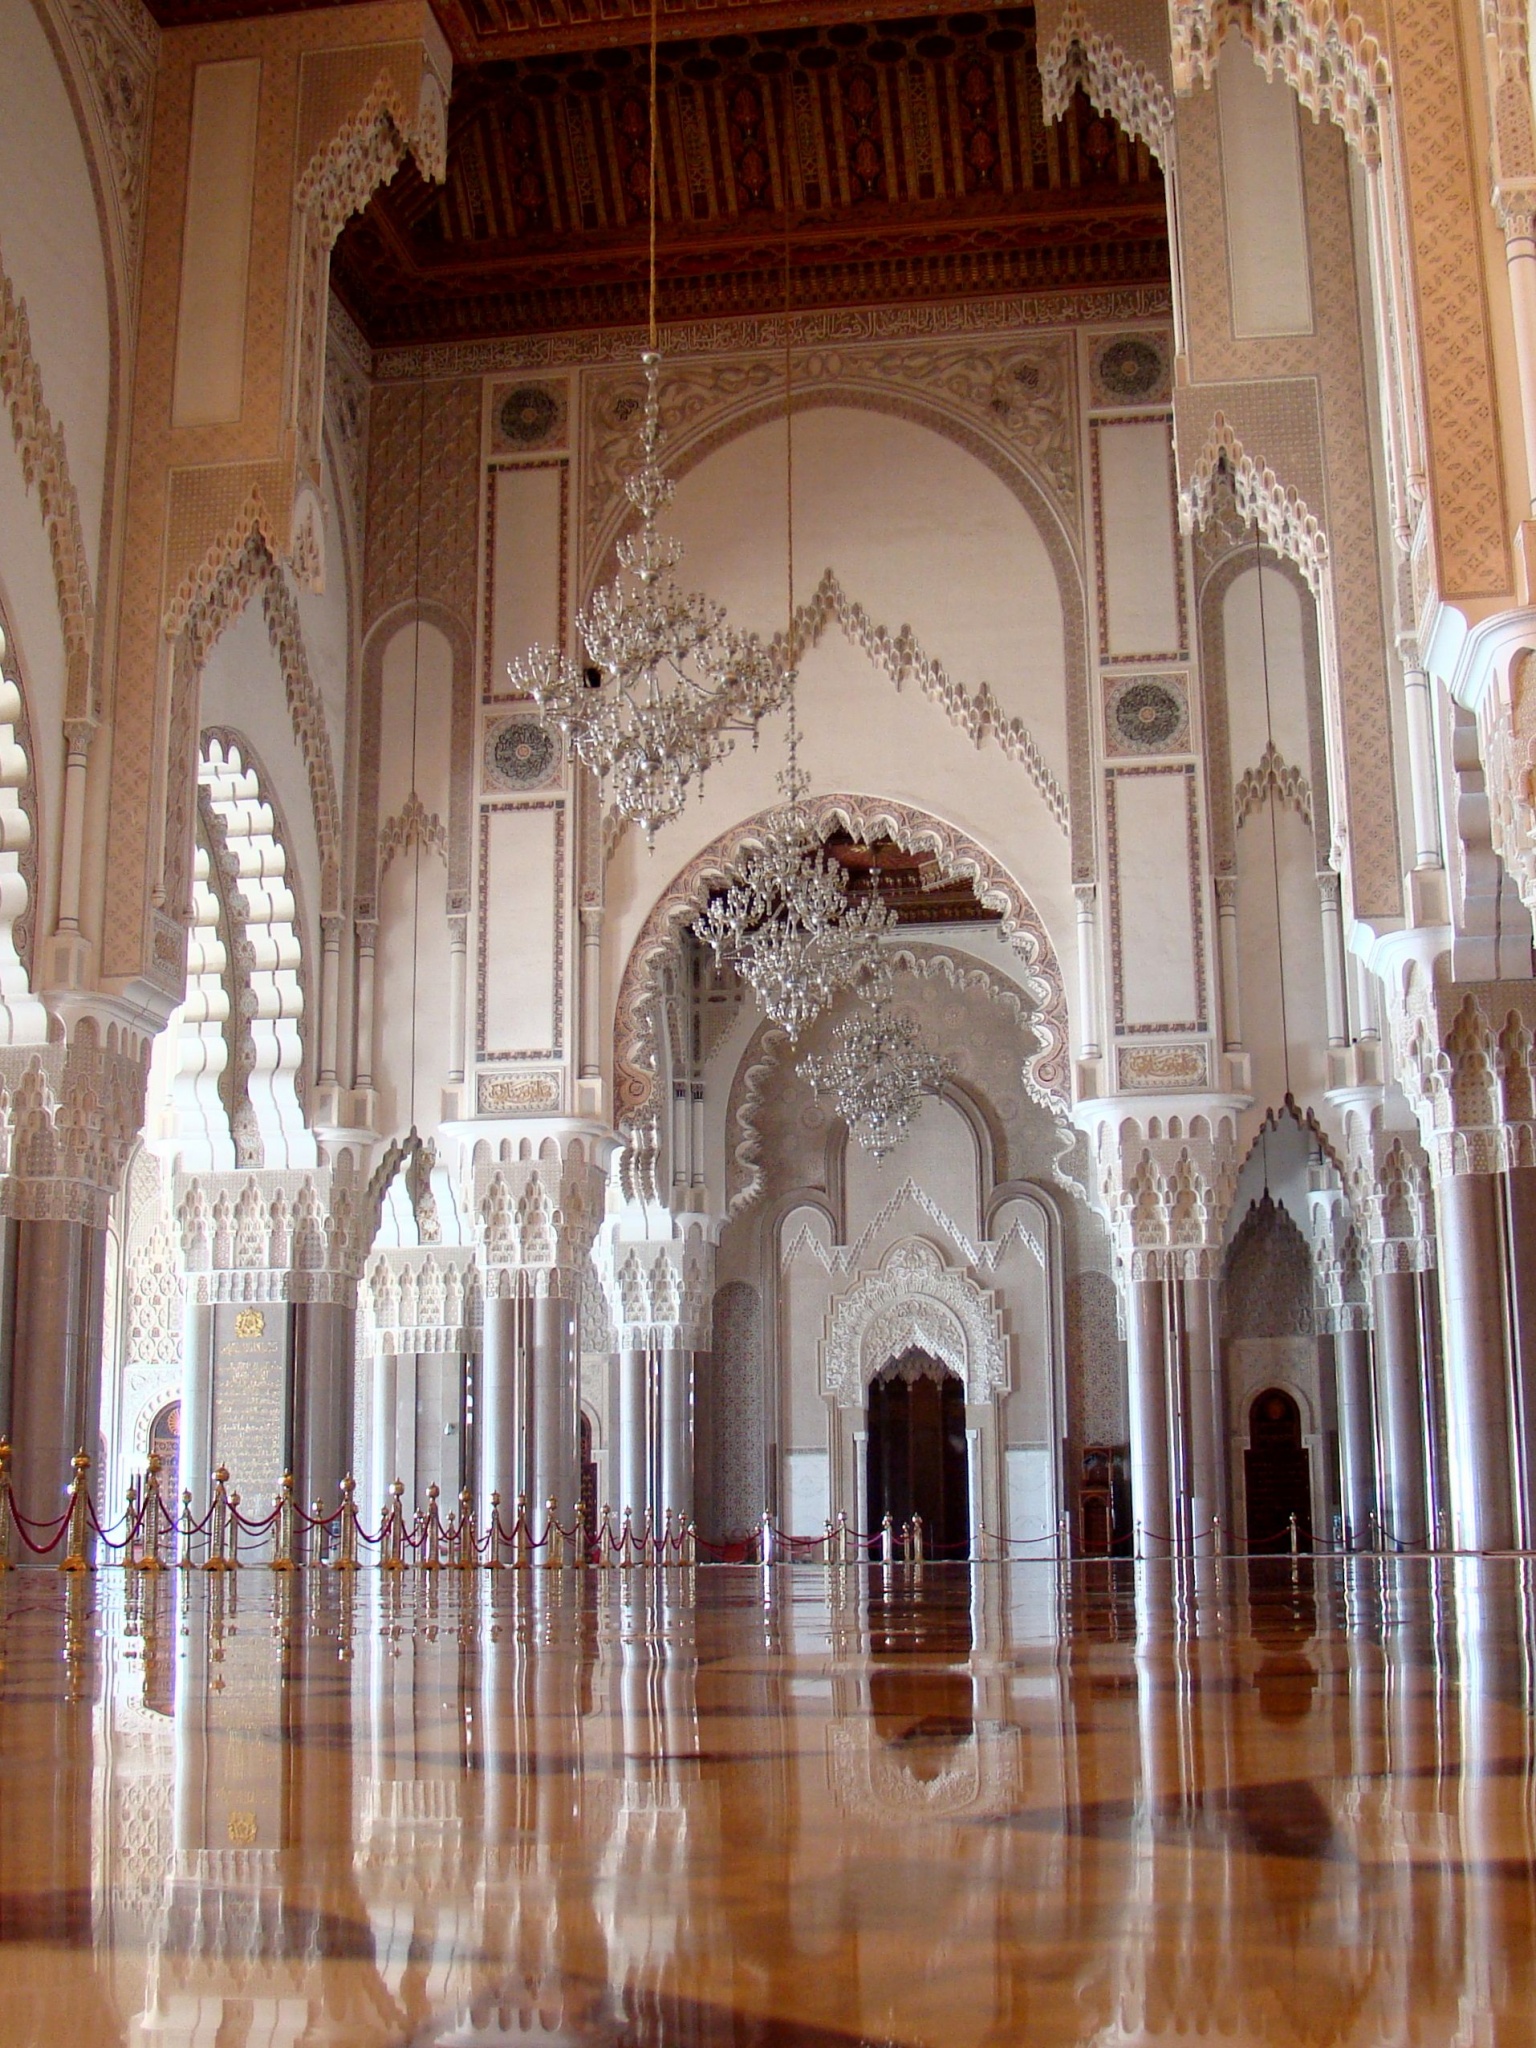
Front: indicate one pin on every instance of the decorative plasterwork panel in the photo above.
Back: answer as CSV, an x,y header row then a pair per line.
x,y
1146,715
1444,212
1019,394
1275,778
1331,55
1192,869
39,442
119,44
1287,416
1116,51
912,390
865,819
914,1302
976,712
999,315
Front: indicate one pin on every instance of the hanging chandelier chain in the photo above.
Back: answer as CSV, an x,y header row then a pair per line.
x,y
877,1074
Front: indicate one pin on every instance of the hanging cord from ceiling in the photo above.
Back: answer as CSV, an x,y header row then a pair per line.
x,y
1274,841
417,836
651,205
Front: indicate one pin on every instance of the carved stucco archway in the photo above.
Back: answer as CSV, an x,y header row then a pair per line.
x,y
958,858
913,1302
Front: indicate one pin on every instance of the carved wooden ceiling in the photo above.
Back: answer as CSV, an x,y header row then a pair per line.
x,y
912,152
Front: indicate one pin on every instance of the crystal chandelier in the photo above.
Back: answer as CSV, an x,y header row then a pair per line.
x,y
787,921
667,682
877,1074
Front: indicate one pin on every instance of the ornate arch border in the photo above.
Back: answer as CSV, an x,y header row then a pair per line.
x,y
856,394
959,858
913,1301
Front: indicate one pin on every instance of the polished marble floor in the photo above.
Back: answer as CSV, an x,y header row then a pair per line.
x,y
1008,1804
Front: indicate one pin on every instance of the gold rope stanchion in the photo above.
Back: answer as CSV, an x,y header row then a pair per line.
x,y
7,1511
432,1557
581,1559
493,1561
520,1534
347,1560
465,1556
554,1538
75,1559
218,1540
184,1550
150,1559
392,1558
234,1532
282,1556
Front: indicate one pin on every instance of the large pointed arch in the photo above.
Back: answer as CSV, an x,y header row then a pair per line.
x,y
658,947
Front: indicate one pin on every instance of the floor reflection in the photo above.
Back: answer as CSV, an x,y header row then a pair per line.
x,y
1115,1804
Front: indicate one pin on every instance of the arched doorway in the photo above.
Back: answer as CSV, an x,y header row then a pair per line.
x,y
1277,1470
165,1444
588,1473
916,1452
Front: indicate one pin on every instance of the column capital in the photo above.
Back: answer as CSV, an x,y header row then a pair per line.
x,y
1164,1173
661,1288
265,1235
69,1114
1467,1058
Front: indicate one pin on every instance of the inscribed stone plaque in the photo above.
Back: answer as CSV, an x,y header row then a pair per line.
x,y
250,1381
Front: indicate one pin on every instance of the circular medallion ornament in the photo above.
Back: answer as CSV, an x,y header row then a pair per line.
x,y
1148,715
522,754
1130,367
527,415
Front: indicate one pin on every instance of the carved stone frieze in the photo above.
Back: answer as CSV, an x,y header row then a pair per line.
x,y
263,1235
420,1300
537,1203
1466,1059
1389,1191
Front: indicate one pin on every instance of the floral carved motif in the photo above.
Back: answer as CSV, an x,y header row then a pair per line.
x,y
119,42
1273,776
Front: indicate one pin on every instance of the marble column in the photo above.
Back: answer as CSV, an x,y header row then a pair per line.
x,y
1357,1463
1520,1223
196,1464
1477,1415
1400,1419
676,1429
1207,1415
634,1431
323,1348
56,1359
501,1420
1147,1374
553,1365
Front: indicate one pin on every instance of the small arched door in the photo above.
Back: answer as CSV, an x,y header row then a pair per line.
x,y
1277,1469
916,1455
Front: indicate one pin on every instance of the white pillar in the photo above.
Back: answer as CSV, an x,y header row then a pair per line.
x,y
330,996
1423,775
1520,256
1087,969
458,954
367,935
1333,958
1231,980
676,1428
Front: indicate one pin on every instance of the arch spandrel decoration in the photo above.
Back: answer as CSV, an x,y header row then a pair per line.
x,y
851,379
913,1303
865,819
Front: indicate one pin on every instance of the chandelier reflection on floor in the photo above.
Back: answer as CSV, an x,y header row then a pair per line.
x,y
877,1074
667,683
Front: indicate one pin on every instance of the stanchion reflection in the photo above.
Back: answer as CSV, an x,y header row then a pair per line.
x,y
958,1804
